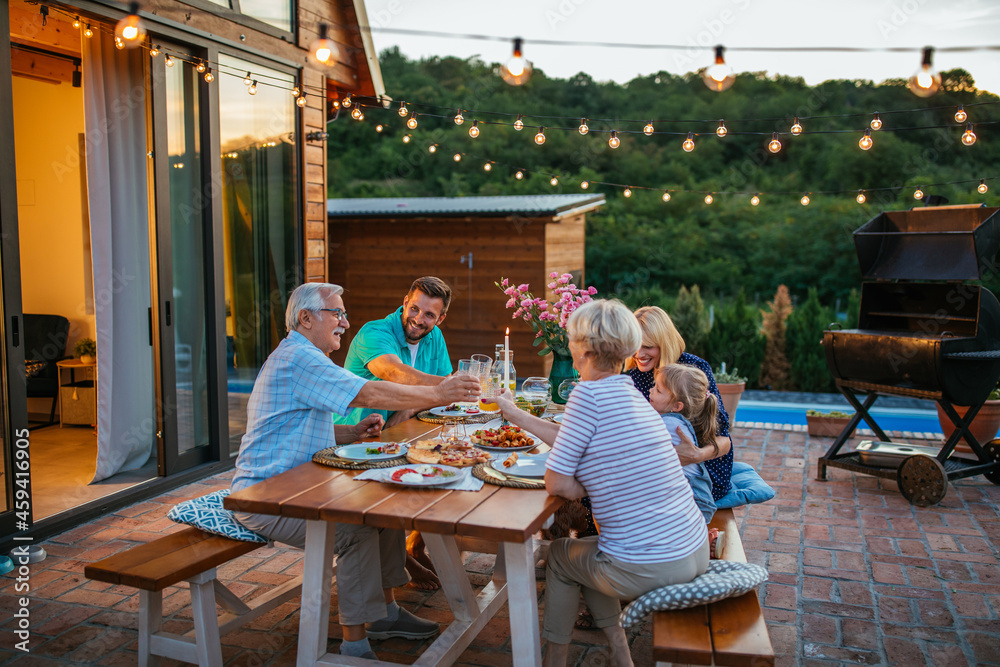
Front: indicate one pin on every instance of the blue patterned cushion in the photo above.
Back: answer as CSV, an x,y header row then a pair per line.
x,y
748,488
723,579
208,514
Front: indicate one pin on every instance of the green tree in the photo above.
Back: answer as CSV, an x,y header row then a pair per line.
x,y
735,339
691,320
804,345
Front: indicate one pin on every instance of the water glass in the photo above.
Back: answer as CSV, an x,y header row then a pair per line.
x,y
483,364
453,432
467,367
491,386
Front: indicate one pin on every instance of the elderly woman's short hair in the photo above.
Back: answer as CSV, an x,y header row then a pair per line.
x,y
308,296
659,330
608,330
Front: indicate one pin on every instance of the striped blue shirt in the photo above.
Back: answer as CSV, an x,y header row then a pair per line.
x,y
288,416
613,442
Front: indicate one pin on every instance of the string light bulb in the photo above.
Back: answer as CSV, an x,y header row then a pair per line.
x,y
457,157
323,51
709,199
517,70
925,81
968,137
88,32
253,88
774,145
209,77
722,130
168,61
247,80
719,76
519,123
648,130
876,123
459,118
960,115
119,44
379,128
688,144
666,196
200,67
474,130
347,102
406,138
130,29
300,101
432,148
805,200
411,122
488,166
76,22
154,51
356,113
583,129
918,193
861,198
866,142
755,200
796,127
614,141
584,185
628,191
540,137
295,93
983,188
402,110
519,175
553,181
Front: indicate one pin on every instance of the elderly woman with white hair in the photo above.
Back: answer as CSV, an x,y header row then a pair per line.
x,y
613,447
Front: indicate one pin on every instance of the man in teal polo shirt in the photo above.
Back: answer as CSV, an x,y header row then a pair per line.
x,y
405,347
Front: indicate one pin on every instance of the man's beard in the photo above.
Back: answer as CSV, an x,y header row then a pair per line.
x,y
409,325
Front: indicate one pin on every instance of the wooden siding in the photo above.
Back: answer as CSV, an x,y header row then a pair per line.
x,y
376,260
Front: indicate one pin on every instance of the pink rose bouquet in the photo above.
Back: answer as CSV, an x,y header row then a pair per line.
x,y
548,320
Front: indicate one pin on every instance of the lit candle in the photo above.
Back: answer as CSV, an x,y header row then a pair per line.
x,y
506,358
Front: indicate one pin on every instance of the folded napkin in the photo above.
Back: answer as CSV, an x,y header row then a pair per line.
x,y
467,483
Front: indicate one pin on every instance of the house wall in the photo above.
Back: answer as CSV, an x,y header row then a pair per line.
x,y
376,260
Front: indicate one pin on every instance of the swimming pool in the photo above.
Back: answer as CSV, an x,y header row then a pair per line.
x,y
890,419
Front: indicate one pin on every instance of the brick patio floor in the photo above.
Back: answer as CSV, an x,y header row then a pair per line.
x,y
857,575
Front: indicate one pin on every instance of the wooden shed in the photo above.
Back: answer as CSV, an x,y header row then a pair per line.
x,y
377,247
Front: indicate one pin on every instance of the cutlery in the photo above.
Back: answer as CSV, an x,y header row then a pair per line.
x,y
494,473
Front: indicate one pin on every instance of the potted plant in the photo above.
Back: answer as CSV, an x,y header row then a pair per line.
x,y
548,321
828,424
85,350
731,385
984,427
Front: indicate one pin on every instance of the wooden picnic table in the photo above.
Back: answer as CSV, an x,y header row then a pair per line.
x,y
322,495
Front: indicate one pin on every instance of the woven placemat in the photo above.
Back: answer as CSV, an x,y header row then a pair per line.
x,y
479,473
327,457
480,418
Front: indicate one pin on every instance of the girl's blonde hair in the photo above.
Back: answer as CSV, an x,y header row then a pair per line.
x,y
659,330
689,385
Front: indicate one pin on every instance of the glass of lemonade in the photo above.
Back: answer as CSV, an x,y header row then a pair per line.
x,y
492,385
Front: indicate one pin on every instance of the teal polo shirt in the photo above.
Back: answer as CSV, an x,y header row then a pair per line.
x,y
386,336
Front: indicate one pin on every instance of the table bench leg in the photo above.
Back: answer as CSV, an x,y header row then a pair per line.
x,y
150,621
314,612
522,598
206,621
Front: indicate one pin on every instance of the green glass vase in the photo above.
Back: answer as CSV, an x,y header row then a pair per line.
x,y
562,369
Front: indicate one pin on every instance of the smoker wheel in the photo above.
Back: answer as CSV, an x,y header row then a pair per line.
x,y
922,480
993,452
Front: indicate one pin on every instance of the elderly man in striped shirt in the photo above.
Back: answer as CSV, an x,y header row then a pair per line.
x,y
289,419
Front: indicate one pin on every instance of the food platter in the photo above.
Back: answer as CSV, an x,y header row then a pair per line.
x,y
444,475
464,410
496,424
359,451
525,466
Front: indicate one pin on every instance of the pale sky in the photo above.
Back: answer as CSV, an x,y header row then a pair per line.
x,y
732,23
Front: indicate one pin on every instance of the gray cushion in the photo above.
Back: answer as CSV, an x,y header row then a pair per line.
x,y
723,579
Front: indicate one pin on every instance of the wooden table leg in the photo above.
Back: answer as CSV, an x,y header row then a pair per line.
x,y
455,582
522,598
314,612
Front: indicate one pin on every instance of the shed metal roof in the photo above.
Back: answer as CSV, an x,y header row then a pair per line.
x,y
524,205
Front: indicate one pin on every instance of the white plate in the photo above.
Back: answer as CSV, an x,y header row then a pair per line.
x,y
557,418
525,466
460,474
442,411
494,424
356,452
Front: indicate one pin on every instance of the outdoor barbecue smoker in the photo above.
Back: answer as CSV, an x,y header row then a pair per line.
x,y
923,332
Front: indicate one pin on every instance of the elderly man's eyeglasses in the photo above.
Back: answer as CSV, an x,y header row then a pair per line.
x,y
339,313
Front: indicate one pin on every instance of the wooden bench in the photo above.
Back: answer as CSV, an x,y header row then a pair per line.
x,y
727,632
188,555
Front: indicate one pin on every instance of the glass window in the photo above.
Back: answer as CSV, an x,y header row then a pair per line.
x,y
260,194
278,14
